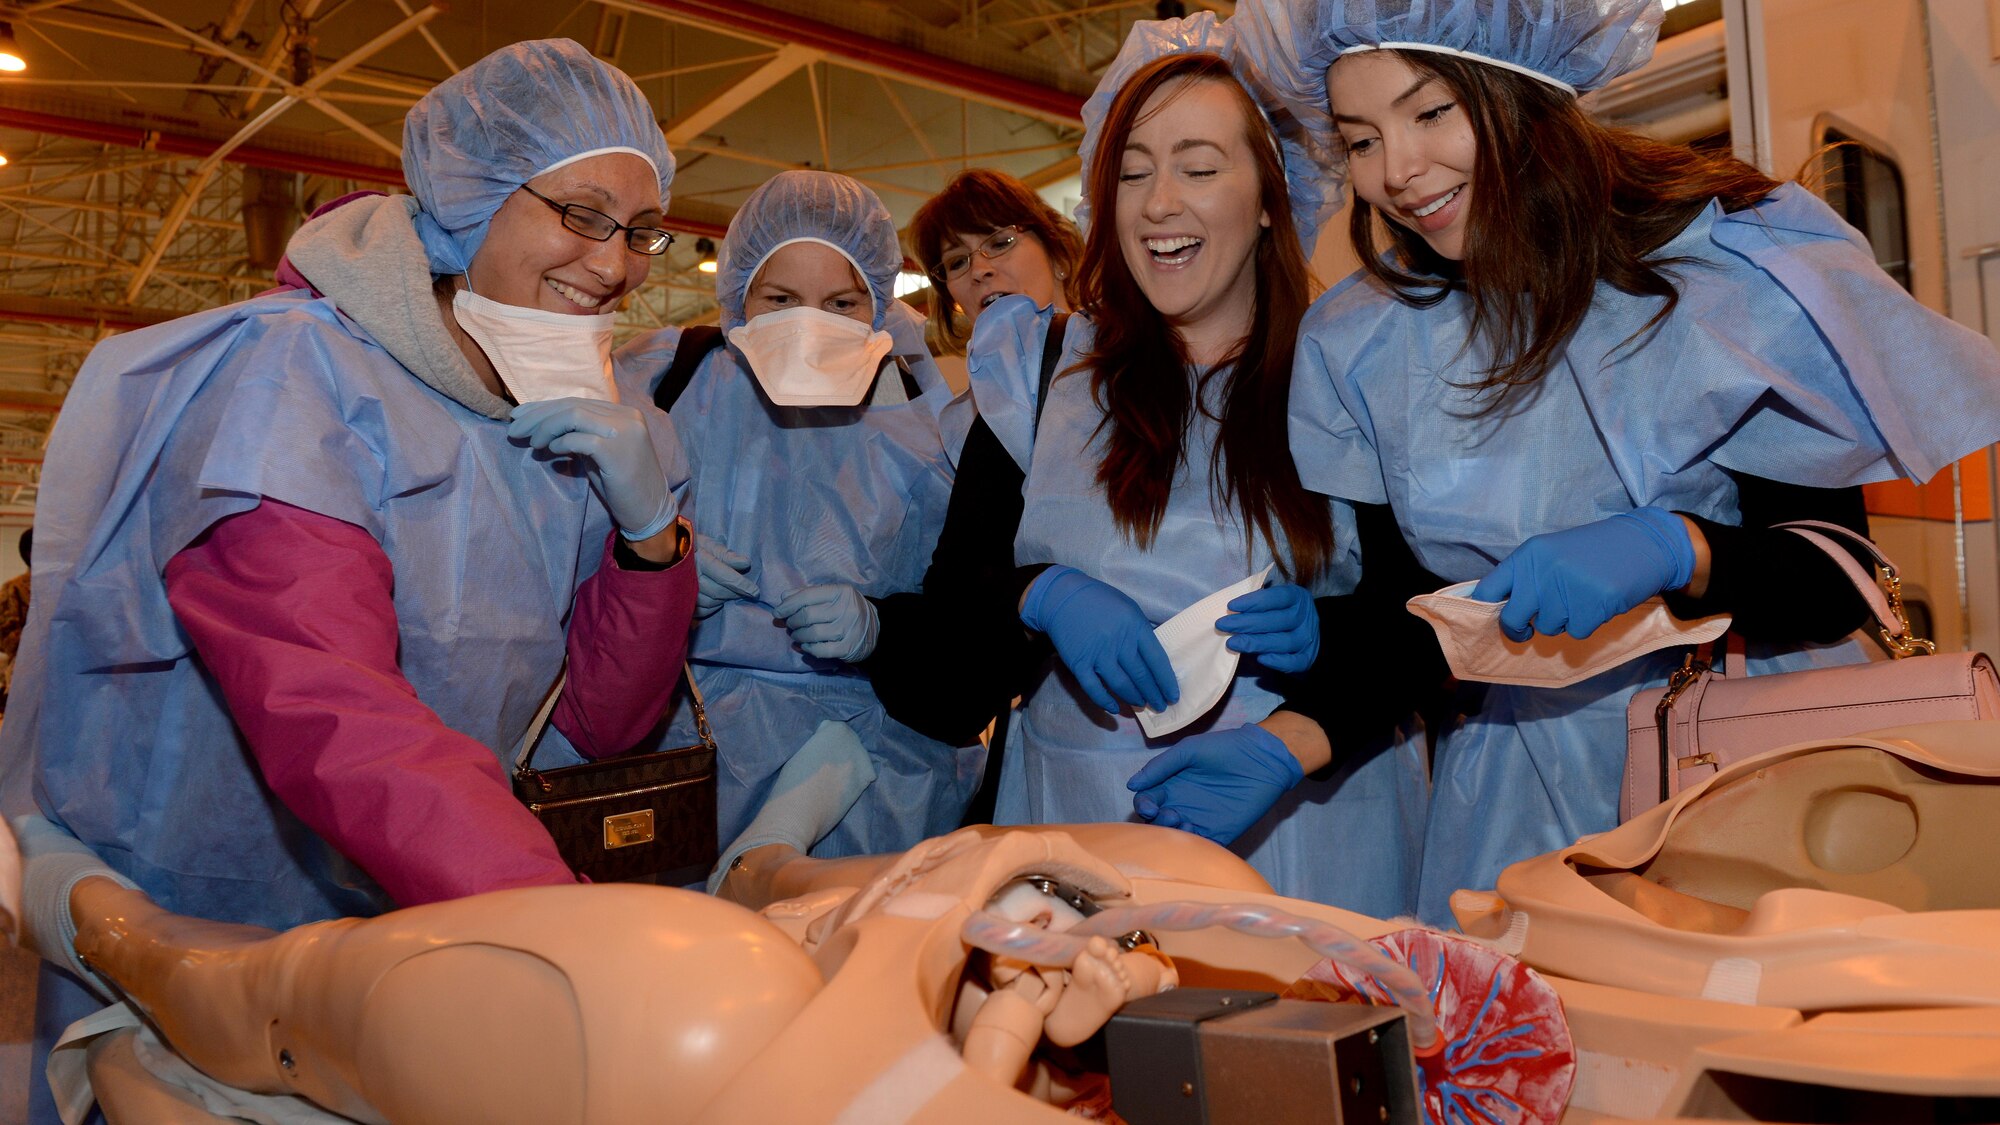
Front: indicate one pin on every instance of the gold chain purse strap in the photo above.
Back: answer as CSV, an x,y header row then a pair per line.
x,y
531,739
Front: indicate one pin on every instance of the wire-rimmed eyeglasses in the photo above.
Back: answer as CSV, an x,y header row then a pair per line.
x,y
958,259
598,226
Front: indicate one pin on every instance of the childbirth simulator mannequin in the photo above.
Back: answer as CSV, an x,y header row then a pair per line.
x,y
639,997
820,478
309,564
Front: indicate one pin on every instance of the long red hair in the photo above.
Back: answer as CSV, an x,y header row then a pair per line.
x,y
1146,415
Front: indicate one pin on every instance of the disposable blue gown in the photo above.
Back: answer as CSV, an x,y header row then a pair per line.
x,y
126,738
816,495
1791,356
1351,839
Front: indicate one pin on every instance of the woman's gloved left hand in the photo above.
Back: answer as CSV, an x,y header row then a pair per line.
x,y
1215,784
1574,581
1278,624
611,440
833,622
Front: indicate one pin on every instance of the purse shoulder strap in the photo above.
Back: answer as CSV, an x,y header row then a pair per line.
x,y
524,751
1884,598
694,346
1052,348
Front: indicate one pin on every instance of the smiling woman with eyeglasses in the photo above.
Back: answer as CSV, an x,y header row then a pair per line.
x,y
599,227
315,559
984,236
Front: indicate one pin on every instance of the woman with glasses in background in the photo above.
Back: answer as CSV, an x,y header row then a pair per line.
x,y
985,236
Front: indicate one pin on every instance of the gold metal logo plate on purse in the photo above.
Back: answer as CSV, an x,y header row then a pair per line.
x,y
627,829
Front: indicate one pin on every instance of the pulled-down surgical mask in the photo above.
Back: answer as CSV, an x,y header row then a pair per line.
x,y
1204,664
811,357
539,354
1468,630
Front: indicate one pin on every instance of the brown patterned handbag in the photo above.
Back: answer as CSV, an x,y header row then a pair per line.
x,y
646,816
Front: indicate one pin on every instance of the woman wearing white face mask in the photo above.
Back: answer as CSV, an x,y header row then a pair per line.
x,y
306,573
820,479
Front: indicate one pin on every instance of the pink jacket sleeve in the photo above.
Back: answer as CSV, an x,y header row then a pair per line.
x,y
292,613
628,635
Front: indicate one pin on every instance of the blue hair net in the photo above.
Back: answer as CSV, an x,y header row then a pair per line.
x,y
1575,44
1314,188
520,111
824,206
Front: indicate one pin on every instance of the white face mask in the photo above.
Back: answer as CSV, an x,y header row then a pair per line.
x,y
811,357
1204,664
1469,633
541,355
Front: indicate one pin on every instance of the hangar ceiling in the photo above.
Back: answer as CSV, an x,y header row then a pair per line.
x,y
159,152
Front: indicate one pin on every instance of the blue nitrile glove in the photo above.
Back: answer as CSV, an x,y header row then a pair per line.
x,y
611,441
1104,638
1277,624
1215,784
721,575
832,622
1574,581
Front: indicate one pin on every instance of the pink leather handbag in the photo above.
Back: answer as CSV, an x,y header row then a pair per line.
x,y
1706,719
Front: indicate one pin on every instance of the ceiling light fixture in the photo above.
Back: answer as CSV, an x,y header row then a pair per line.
x,y
706,248
11,59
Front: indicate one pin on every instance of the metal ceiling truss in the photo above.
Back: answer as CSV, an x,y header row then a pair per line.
x,y
145,131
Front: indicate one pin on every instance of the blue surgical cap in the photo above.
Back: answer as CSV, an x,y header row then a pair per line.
x,y
1314,188
513,115
803,205
1576,45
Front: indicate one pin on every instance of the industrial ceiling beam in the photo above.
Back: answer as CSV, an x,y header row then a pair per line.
x,y
872,55
788,61
21,307
180,144
255,156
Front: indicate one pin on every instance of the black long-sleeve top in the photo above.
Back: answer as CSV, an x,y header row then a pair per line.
x,y
1775,585
951,658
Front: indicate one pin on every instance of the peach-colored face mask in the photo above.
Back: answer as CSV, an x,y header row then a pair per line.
x,y
1468,631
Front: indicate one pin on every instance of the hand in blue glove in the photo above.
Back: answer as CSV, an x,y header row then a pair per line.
x,y
721,575
832,622
611,441
1277,624
1574,581
1104,638
1215,784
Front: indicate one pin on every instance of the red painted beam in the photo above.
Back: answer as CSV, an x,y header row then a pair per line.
x,y
788,28
253,156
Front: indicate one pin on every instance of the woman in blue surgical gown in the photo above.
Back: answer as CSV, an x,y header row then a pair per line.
x,y
1140,468
1590,369
820,477
310,563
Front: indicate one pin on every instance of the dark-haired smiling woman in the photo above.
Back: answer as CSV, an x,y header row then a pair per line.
x,y
1591,369
1156,473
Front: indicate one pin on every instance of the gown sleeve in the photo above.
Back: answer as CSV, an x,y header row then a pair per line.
x,y
628,636
1790,356
953,656
292,612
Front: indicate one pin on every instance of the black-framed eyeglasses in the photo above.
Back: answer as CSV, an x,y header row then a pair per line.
x,y
958,259
598,226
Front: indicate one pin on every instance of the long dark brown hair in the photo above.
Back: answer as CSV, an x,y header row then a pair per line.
x,y
979,201
1137,354
1561,203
